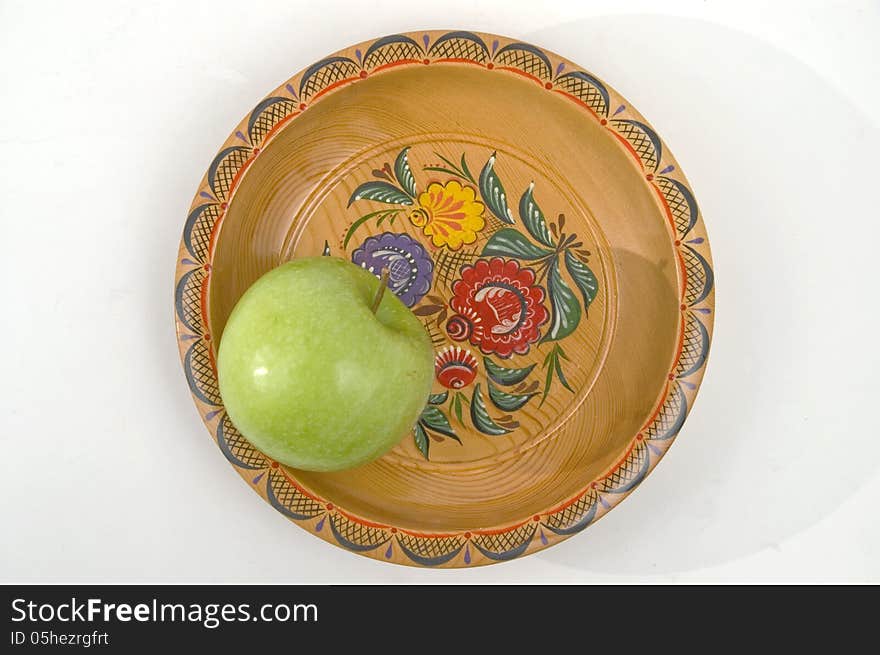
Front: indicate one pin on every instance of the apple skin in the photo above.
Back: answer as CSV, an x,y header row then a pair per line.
x,y
315,380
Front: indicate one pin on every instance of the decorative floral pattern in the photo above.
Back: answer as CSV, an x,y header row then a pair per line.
x,y
449,213
409,266
455,367
498,307
498,303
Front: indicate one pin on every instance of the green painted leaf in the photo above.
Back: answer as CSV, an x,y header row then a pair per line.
x,y
480,416
508,242
506,376
403,173
509,402
583,277
533,218
353,228
558,366
421,440
549,379
382,213
465,169
463,172
438,398
381,192
456,407
565,309
493,192
433,419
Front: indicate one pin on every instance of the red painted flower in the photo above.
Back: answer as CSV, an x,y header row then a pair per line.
x,y
455,367
498,307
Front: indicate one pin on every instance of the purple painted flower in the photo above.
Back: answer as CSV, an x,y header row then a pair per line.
x,y
409,265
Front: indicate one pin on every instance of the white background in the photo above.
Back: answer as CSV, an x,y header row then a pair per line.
x,y
109,115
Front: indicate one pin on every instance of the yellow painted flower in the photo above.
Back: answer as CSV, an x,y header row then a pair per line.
x,y
450,214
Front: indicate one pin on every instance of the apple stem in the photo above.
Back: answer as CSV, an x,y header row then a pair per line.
x,y
383,283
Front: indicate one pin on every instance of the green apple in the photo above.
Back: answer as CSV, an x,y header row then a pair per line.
x,y
315,378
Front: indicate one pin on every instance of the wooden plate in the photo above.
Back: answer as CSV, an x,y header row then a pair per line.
x,y
541,230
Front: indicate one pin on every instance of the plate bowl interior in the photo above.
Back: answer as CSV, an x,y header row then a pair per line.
x,y
296,200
